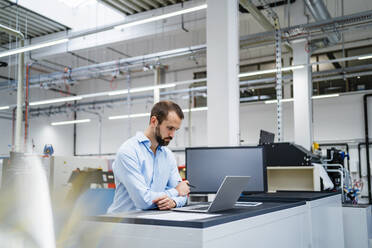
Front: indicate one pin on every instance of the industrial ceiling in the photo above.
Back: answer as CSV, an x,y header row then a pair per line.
x,y
28,22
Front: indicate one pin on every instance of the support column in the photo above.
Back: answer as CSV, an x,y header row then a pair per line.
x,y
302,83
222,72
18,133
302,91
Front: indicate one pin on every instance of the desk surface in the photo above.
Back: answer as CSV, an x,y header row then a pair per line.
x,y
235,214
288,196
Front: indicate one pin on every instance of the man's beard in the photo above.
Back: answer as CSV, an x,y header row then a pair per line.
x,y
159,139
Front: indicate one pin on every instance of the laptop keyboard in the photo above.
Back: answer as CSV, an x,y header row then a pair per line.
x,y
201,208
247,204
237,204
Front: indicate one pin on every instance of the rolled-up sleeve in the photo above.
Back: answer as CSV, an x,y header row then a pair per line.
x,y
174,180
127,171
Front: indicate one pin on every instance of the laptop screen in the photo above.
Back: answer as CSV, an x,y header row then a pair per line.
x,y
207,167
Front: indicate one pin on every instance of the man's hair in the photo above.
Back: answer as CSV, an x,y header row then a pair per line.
x,y
161,109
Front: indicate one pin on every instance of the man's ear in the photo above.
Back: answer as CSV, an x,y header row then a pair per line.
x,y
153,121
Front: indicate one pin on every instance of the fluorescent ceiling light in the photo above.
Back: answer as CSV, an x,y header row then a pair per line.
x,y
161,17
152,88
62,99
117,92
4,107
32,47
275,101
291,99
69,122
325,96
100,94
254,73
295,67
365,57
117,117
140,89
195,109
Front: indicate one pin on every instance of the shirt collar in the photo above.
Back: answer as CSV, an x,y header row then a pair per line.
x,y
142,138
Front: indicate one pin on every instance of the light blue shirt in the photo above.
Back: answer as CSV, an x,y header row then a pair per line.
x,y
141,176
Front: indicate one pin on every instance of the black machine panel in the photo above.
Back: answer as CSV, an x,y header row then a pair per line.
x,y
288,154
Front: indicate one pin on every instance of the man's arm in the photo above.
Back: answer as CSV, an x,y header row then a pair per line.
x,y
180,197
126,169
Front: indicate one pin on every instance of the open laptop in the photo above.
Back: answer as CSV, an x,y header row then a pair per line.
x,y
226,197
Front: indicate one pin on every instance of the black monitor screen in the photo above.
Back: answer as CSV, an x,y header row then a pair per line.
x,y
266,137
207,167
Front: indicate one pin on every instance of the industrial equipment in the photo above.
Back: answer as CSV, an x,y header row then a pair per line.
x,y
334,163
289,154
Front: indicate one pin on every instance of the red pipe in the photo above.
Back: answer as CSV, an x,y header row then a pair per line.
x,y
26,107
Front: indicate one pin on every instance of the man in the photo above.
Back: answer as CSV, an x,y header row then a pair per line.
x,y
146,174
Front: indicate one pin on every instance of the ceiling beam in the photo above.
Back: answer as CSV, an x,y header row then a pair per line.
x,y
142,4
118,6
118,52
83,58
130,5
154,4
164,3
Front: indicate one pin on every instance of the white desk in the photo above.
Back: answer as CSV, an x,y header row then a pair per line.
x,y
267,225
324,215
326,223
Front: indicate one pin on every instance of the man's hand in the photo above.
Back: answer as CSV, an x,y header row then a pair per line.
x,y
183,188
164,202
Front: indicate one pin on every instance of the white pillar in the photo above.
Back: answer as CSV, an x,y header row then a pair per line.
x,y
20,99
302,91
302,83
222,72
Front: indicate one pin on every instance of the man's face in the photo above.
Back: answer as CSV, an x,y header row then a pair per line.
x,y
165,131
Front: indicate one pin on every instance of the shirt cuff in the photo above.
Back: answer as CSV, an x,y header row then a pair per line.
x,y
172,192
180,201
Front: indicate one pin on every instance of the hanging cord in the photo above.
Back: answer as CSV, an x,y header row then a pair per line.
x,y
112,85
67,75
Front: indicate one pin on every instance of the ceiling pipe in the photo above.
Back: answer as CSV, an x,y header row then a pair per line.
x,y
320,12
350,19
58,77
21,65
260,18
256,83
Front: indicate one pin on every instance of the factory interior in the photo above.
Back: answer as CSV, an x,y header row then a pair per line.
x,y
185,123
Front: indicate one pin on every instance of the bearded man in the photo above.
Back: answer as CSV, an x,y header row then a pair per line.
x,y
145,170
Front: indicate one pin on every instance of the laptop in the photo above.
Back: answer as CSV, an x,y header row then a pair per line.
x,y
226,197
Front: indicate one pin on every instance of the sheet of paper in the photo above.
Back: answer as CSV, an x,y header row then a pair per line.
x,y
177,216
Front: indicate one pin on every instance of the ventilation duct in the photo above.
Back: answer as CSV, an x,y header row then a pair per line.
x,y
320,12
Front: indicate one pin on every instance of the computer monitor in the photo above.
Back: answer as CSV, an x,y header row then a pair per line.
x,y
206,167
266,137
